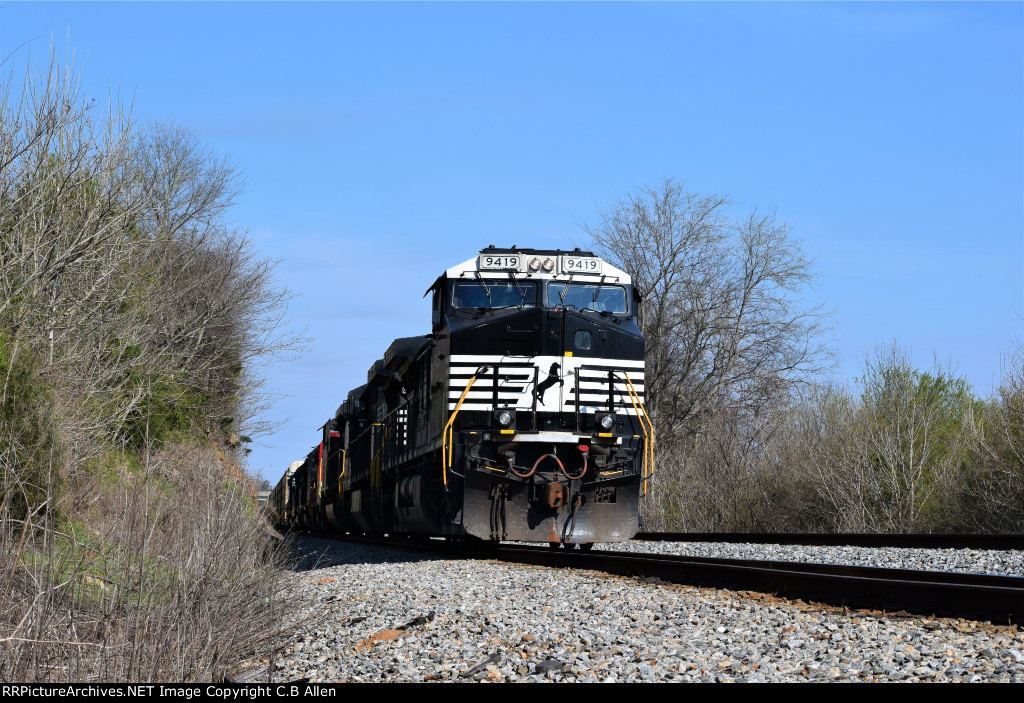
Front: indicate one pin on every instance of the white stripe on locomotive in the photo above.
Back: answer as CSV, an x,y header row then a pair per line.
x,y
516,382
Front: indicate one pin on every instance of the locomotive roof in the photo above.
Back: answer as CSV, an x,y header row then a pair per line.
x,y
528,252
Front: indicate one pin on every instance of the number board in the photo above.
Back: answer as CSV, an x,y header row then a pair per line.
x,y
581,264
500,262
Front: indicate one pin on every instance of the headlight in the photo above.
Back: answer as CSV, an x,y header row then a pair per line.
x,y
535,265
505,417
606,422
549,265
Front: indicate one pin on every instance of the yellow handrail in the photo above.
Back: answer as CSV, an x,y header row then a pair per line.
x,y
641,412
342,474
375,462
449,432
320,473
643,427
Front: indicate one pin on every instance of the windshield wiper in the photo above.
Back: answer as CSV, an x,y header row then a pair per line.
x,y
565,289
486,289
605,313
522,293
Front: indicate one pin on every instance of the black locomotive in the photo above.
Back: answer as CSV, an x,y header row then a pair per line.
x,y
520,417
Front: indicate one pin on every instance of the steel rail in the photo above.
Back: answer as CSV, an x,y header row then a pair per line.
x,y
927,541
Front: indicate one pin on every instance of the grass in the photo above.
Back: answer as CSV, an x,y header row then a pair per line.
x,y
160,579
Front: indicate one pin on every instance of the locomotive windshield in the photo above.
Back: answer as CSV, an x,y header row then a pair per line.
x,y
485,293
588,296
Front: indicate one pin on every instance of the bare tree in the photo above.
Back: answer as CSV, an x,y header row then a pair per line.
x,y
916,437
824,445
721,313
894,459
189,186
993,497
65,189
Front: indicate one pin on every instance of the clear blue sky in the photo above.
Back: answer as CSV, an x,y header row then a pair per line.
x,y
381,143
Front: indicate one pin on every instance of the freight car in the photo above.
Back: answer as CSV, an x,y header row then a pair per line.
x,y
519,417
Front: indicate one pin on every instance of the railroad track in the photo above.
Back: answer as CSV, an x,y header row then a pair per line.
x,y
924,541
999,599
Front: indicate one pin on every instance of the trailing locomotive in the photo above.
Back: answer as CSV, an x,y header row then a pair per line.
x,y
519,417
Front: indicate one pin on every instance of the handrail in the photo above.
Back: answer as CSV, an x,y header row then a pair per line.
x,y
342,474
648,470
643,428
377,460
320,472
447,437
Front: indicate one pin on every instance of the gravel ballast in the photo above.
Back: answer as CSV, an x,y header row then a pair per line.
x,y
366,613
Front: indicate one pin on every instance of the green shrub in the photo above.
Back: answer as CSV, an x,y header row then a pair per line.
x,y
28,445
